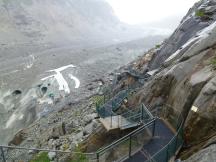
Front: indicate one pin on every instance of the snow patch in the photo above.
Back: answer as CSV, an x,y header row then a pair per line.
x,y
201,35
63,85
30,62
77,82
12,119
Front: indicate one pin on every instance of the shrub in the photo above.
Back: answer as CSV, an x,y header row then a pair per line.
x,y
158,46
79,157
213,63
200,13
41,157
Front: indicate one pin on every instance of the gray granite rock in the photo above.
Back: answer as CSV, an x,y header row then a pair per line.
x,y
205,155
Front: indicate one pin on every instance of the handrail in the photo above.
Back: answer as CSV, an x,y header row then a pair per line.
x,y
46,150
172,139
149,113
125,137
135,115
130,112
115,103
91,153
96,154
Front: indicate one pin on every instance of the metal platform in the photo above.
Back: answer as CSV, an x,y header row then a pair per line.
x,y
117,122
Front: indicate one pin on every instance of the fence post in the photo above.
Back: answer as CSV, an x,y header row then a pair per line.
x,y
111,121
130,144
118,121
2,153
98,157
142,111
57,159
153,133
176,142
167,153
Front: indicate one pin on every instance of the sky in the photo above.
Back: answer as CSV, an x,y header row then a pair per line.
x,y
148,11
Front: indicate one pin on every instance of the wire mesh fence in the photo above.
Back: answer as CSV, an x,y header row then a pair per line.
x,y
134,142
105,107
131,118
128,145
119,150
170,149
20,154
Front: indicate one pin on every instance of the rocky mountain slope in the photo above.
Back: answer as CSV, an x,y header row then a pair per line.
x,y
185,81
33,21
44,21
40,35
183,85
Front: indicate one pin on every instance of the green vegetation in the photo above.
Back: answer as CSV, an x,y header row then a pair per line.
x,y
200,13
41,157
158,46
98,100
79,157
65,146
213,63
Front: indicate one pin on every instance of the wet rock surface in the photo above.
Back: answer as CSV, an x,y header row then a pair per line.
x,y
39,99
190,25
184,83
37,37
205,155
182,86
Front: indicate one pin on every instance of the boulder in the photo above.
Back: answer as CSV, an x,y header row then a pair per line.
x,y
18,138
201,119
70,127
88,118
52,155
57,131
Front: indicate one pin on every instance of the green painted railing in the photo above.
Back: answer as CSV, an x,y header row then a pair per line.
x,y
132,118
169,150
128,145
119,150
106,105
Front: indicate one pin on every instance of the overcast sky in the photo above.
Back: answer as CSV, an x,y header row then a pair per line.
x,y
147,11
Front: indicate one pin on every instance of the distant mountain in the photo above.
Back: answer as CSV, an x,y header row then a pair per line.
x,y
23,21
37,20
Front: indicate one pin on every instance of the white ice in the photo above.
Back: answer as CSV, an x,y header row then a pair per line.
x,y
200,36
63,85
12,119
77,82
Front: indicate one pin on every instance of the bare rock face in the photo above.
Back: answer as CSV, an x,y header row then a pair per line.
x,y
190,25
39,20
205,155
57,131
18,138
202,119
179,84
186,88
185,84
